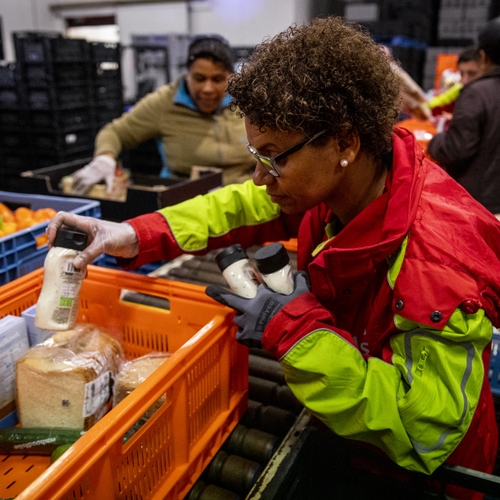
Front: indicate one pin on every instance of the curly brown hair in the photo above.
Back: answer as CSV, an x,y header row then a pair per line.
x,y
328,74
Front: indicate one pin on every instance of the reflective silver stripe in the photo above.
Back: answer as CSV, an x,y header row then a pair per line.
x,y
469,347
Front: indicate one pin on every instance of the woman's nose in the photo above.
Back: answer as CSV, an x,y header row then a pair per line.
x,y
261,176
208,86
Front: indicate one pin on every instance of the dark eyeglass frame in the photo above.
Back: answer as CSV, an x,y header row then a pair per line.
x,y
270,162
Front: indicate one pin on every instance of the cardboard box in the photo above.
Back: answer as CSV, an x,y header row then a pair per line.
x,y
13,344
145,193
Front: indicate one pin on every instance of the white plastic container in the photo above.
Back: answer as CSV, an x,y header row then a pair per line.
x,y
57,306
237,271
273,263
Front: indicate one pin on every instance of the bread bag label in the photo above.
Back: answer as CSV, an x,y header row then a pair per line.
x,y
96,394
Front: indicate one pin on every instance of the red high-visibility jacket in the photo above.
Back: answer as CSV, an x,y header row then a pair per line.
x,y
391,347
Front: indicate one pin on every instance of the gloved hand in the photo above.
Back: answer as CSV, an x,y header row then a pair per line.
x,y
113,238
102,167
254,314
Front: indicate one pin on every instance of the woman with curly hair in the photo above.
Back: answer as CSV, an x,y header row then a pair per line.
x,y
386,336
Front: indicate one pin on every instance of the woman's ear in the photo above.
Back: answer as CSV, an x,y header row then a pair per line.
x,y
352,146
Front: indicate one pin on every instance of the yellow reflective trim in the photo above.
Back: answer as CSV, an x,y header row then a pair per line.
x,y
194,221
395,262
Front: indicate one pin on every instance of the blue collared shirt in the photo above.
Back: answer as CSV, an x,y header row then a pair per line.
x,y
182,97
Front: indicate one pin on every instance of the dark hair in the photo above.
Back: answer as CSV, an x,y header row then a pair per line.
x,y
489,40
213,47
469,54
328,74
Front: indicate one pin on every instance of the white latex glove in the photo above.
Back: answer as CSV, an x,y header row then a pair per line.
x,y
114,238
102,167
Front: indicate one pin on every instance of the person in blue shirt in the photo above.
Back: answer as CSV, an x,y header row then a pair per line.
x,y
192,117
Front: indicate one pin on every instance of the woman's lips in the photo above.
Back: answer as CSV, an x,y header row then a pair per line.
x,y
276,198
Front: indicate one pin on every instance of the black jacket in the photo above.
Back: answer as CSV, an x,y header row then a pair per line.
x,y
470,149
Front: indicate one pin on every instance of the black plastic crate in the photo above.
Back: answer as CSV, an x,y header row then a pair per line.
x,y
31,47
105,71
62,120
61,98
15,140
64,142
70,49
57,74
145,194
15,161
9,75
102,51
43,160
391,10
12,98
14,119
144,158
109,91
106,115
40,47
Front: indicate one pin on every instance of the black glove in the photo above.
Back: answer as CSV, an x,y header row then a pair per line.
x,y
254,314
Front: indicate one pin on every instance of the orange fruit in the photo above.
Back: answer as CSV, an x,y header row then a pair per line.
x,y
6,212
41,240
43,214
9,228
25,223
23,213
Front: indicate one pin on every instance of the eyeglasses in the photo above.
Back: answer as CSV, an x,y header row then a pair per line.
x,y
270,163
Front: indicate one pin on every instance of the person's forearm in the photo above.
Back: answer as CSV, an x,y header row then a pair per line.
x,y
108,142
397,407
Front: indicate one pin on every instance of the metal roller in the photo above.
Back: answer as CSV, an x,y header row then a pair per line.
x,y
253,444
256,351
196,276
233,472
269,392
202,265
268,418
203,491
268,369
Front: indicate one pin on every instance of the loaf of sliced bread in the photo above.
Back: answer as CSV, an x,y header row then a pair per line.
x,y
67,380
134,373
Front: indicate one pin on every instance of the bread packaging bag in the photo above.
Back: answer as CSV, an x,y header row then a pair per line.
x,y
67,380
134,373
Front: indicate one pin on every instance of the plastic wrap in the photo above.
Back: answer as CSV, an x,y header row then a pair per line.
x,y
133,374
67,380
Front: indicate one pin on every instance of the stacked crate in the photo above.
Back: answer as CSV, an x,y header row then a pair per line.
x,y
14,141
407,27
55,73
67,89
107,85
412,19
462,20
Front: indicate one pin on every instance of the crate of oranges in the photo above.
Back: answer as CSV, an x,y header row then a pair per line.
x,y
23,222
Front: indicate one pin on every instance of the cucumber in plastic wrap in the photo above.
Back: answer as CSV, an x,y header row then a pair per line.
x,y
35,441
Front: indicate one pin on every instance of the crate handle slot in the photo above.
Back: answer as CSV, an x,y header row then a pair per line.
x,y
145,299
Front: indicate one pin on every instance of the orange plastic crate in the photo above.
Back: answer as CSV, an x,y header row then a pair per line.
x,y
205,383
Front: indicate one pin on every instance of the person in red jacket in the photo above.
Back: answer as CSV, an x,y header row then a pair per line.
x,y
386,336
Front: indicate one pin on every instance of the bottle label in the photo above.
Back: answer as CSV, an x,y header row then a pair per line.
x,y
71,278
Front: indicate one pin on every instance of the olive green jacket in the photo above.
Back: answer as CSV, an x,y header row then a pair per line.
x,y
189,136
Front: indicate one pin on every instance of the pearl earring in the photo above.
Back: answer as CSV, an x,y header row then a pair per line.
x,y
344,163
